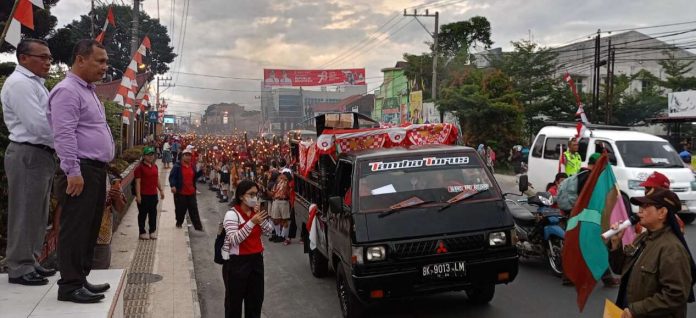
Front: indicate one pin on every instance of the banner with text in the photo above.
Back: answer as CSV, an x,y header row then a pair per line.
x,y
280,77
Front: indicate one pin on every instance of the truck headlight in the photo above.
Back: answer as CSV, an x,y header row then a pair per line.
x,y
497,239
635,185
376,253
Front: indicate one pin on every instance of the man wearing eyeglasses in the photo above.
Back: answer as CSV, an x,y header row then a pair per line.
x,y
29,162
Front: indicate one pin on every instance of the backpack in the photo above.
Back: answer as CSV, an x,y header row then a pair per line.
x,y
219,242
568,192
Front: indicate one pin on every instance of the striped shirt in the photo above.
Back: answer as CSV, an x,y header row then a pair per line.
x,y
241,236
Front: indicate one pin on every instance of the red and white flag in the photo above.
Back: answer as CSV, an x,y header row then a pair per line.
x,y
109,20
580,113
23,16
129,86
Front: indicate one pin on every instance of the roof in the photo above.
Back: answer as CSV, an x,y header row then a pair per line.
x,y
107,91
385,152
336,107
616,135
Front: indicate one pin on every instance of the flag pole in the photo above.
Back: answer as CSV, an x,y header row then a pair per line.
x,y
9,20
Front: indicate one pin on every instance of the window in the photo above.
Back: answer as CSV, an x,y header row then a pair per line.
x,y
642,154
552,150
601,145
538,146
344,173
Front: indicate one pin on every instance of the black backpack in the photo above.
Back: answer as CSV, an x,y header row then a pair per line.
x,y
219,241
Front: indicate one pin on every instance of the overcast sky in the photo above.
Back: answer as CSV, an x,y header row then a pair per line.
x,y
239,38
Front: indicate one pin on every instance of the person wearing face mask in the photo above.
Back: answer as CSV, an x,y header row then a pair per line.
x,y
242,251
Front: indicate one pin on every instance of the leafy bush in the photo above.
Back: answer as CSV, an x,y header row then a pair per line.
x,y
133,154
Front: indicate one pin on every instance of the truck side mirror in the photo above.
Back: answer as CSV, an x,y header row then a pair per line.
x,y
523,183
336,204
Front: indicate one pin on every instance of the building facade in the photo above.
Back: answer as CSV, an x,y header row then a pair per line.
x,y
283,109
392,97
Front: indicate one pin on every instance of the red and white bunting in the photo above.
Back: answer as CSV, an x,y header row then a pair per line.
x,y
109,20
23,16
126,95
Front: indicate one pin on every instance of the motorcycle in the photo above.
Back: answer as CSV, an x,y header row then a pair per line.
x,y
538,227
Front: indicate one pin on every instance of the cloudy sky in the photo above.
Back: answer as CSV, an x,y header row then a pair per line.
x,y
238,38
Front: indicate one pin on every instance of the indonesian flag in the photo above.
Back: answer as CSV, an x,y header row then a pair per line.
x,y
312,226
23,16
561,161
580,113
109,20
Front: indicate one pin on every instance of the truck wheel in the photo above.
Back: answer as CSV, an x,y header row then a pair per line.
x,y
318,264
350,305
554,251
688,218
481,294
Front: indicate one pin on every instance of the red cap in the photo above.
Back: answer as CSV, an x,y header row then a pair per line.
x,y
656,180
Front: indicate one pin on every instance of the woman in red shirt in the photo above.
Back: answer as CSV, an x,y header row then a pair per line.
x,y
242,271
147,186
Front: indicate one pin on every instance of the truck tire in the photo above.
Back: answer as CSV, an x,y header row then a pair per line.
x,y
350,305
481,294
318,264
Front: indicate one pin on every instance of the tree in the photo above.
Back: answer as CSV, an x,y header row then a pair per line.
x,y
117,40
533,74
457,37
454,41
675,70
632,107
7,68
44,22
477,97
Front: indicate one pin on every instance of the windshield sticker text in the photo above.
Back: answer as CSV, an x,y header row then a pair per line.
x,y
648,160
427,162
468,187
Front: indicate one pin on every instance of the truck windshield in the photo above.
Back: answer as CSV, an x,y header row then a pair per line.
x,y
433,179
643,154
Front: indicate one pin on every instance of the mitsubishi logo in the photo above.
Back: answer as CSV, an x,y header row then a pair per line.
x,y
441,249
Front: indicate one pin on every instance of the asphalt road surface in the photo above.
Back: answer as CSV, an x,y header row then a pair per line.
x,y
292,291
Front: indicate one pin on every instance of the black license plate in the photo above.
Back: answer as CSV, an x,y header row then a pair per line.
x,y
445,270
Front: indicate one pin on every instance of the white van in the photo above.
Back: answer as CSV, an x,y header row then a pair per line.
x,y
634,155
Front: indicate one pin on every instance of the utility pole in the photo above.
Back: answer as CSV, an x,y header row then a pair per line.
x,y
434,34
134,47
595,76
610,81
167,79
91,18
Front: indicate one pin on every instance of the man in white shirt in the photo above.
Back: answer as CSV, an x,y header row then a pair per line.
x,y
29,162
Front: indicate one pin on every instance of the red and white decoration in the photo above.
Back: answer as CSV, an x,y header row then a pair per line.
x,y
580,113
331,142
23,16
312,226
129,85
109,20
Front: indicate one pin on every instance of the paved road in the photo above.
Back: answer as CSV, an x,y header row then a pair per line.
x,y
292,291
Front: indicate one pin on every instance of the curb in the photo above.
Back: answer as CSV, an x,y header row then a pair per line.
x,y
192,275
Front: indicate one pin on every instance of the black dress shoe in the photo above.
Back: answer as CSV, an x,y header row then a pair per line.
x,y
45,272
81,296
31,279
97,288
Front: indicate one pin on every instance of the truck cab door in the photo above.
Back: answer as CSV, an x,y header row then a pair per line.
x,y
339,213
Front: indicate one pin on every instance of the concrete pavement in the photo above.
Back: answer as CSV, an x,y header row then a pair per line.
x,y
171,283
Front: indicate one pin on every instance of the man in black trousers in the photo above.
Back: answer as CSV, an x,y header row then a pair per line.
x,y
182,180
85,146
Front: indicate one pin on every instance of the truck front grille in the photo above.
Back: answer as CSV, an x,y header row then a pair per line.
x,y
430,247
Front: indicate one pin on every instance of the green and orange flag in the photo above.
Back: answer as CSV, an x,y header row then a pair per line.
x,y
585,255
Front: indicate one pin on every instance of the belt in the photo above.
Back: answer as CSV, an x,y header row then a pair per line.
x,y
93,163
42,147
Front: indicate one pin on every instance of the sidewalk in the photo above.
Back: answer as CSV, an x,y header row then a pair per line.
x,y
161,280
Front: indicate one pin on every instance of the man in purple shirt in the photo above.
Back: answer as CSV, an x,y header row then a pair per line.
x,y
84,144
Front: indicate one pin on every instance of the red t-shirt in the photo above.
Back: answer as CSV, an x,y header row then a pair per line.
x,y
148,178
187,174
252,244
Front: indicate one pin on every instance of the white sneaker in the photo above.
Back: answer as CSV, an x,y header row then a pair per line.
x,y
153,236
144,236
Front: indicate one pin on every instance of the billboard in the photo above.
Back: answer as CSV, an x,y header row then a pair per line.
x,y
681,104
281,77
416,109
